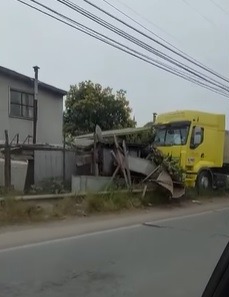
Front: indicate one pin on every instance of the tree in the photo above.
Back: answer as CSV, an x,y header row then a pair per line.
x,y
88,105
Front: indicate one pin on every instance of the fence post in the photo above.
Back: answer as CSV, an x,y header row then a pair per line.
x,y
95,157
7,166
64,159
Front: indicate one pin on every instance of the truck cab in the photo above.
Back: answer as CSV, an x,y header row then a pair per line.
x,y
195,138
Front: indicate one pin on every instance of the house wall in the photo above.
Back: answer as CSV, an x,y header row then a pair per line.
x,y
50,113
50,118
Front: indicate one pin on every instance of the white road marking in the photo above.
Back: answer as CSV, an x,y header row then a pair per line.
x,y
180,217
74,237
80,236
221,209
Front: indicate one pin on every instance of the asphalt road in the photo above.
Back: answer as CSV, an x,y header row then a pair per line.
x,y
170,257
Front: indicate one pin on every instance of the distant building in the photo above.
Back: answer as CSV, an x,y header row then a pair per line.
x,y
16,109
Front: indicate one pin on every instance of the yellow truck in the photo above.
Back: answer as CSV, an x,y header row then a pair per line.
x,y
200,142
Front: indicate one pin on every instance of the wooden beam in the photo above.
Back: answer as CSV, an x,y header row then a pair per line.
x,y
7,165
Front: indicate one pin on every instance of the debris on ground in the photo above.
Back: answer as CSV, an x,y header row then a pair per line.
x,y
196,202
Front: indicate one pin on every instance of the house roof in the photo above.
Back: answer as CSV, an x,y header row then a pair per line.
x,y
47,87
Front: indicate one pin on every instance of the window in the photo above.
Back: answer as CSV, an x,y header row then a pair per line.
x,y
21,104
197,137
160,136
171,134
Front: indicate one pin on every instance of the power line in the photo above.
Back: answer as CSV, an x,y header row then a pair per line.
x,y
220,7
99,34
149,37
142,17
78,9
140,43
50,9
200,14
127,50
138,23
150,31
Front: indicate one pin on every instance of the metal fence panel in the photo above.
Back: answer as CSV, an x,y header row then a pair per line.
x,y
49,164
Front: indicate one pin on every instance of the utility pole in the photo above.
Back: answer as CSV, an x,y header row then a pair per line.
x,y
7,169
64,159
36,68
154,117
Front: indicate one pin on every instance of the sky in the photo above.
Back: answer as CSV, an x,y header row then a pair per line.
x,y
66,56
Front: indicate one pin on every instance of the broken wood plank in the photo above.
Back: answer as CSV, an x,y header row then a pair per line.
x,y
144,191
126,162
120,159
149,175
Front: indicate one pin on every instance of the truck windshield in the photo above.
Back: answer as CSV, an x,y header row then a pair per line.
x,y
171,134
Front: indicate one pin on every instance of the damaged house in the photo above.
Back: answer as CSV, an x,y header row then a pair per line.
x,y
123,158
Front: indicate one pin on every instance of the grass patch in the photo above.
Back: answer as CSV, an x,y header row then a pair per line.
x,y
192,194
117,201
69,206
12,211
111,202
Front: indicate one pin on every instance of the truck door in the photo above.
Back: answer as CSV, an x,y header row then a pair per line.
x,y
197,151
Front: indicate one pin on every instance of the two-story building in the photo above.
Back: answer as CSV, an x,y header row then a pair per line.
x,y
16,108
16,116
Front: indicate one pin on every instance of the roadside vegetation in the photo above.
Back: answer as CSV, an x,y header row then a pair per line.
x,y
15,212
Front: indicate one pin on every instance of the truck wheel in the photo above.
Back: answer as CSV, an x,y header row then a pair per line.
x,y
204,182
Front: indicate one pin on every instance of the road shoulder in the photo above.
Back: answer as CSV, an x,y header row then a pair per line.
x,y
13,236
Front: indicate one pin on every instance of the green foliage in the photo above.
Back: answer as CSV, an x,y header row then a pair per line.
x,y
143,137
171,165
88,104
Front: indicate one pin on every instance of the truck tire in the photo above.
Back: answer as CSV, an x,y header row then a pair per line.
x,y
204,182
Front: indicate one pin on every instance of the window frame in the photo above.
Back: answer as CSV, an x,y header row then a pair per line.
x,y
21,116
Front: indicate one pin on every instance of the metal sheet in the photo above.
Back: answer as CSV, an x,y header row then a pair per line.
x,y
165,181
140,165
178,190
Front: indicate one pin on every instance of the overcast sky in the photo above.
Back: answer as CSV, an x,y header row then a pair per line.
x,y
66,56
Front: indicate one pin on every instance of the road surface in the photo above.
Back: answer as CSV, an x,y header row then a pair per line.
x,y
169,257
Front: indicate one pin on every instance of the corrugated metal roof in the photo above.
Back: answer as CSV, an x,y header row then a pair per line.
x,y
28,79
118,132
83,142
87,140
